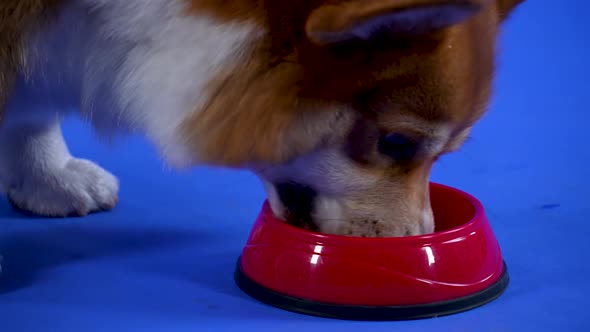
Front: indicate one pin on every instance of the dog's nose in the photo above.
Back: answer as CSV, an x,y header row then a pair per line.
x,y
298,200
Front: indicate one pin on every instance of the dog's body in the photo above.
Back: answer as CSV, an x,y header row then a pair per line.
x,y
340,107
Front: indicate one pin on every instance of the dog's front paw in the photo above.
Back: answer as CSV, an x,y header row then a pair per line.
x,y
77,188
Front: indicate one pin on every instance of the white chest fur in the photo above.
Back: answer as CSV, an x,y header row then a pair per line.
x,y
135,65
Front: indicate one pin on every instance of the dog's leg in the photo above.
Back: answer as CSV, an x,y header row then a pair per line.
x,y
39,174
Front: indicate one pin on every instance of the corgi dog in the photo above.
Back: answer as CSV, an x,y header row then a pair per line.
x,y
340,107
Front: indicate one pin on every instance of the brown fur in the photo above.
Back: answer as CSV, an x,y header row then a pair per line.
x,y
440,76
341,16
17,18
505,7
313,89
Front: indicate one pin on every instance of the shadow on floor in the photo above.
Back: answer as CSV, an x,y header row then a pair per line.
x,y
27,254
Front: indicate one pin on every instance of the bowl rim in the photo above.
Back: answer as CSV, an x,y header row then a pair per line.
x,y
479,216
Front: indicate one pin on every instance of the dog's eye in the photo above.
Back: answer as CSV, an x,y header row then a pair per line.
x,y
398,146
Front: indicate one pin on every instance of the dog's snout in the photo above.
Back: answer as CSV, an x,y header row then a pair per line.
x,y
299,201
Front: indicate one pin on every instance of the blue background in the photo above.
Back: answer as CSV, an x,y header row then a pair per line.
x,y
163,259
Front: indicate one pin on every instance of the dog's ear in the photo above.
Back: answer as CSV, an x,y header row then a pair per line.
x,y
505,7
361,19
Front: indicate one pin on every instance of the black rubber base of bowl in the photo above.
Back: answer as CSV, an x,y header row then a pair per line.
x,y
369,313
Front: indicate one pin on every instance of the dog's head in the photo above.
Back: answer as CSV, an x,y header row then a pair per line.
x,y
343,106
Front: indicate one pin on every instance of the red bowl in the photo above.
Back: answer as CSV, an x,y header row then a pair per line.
x,y
457,268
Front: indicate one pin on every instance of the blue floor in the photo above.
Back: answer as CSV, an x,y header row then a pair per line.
x,y
163,259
